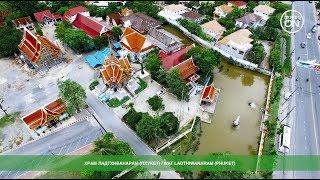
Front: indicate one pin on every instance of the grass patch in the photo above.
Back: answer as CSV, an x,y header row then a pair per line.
x,y
143,85
60,175
116,103
8,119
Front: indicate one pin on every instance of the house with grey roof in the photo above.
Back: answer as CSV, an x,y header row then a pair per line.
x,y
249,20
140,22
193,16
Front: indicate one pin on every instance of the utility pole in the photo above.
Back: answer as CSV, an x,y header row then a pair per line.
x,y
289,96
2,107
51,151
287,115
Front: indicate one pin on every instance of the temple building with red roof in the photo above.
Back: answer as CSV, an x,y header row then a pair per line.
x,y
91,26
188,71
39,52
46,18
172,59
137,44
116,72
71,14
24,22
209,98
46,116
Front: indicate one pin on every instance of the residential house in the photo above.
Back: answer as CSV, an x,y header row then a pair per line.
x,y
71,14
45,18
188,71
91,26
140,22
249,20
193,16
45,117
174,11
213,29
164,40
126,12
39,52
264,11
116,72
237,44
137,44
222,11
104,4
114,19
24,22
239,4
173,59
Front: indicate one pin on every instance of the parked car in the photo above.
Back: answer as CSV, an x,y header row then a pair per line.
x,y
303,44
314,29
80,66
160,93
309,36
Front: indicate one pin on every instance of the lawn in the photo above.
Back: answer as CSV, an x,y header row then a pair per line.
x,y
116,103
143,85
8,119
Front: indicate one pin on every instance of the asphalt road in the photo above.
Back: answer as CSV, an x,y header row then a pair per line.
x,y
59,143
304,120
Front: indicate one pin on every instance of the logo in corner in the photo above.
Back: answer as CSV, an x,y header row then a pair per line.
x,y
291,21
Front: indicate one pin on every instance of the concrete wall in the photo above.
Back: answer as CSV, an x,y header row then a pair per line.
x,y
233,52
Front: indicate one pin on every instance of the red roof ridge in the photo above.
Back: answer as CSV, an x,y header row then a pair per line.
x,y
74,11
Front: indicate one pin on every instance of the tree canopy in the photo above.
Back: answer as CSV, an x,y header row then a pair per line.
x,y
169,123
149,128
176,85
62,10
257,53
153,64
9,39
156,103
72,95
116,32
101,41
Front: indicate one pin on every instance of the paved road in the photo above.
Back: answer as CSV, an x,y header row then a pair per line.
x,y
112,123
60,143
304,120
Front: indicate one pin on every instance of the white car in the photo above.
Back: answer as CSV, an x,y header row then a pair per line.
x,y
80,66
160,93
309,36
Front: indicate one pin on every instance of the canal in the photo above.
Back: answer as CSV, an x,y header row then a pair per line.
x,y
238,86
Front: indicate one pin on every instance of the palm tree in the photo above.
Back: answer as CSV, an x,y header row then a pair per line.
x,y
103,146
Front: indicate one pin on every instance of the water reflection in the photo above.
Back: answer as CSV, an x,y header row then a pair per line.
x,y
247,79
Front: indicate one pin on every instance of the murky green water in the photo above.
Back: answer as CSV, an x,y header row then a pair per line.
x,y
185,40
238,87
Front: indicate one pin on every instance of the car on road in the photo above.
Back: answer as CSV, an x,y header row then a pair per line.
x,y
160,93
303,44
309,36
80,66
314,29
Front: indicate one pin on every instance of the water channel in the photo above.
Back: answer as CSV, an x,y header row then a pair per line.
x,y
238,86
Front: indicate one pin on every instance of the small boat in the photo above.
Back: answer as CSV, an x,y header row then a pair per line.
x,y
237,121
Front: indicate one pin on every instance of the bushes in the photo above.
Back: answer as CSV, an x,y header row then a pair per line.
x,y
269,34
142,84
93,85
39,31
116,103
275,56
156,103
257,53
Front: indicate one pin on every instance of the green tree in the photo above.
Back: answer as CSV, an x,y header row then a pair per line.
x,y
176,85
227,23
39,31
100,41
280,7
56,5
275,56
251,5
61,28
149,128
269,34
116,32
257,53
161,77
72,95
9,39
156,103
77,40
229,31
274,21
207,8
192,52
153,65
169,123
62,10
132,118
42,6
112,8
26,8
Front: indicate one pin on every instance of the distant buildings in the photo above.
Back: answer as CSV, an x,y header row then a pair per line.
x,y
223,10
71,14
239,4
104,4
38,52
264,11
115,18
46,18
140,22
193,16
213,29
249,20
173,59
237,44
174,11
24,22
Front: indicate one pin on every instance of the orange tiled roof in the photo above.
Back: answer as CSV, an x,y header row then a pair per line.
x,y
187,68
134,41
126,12
35,119
23,21
209,93
55,108
116,70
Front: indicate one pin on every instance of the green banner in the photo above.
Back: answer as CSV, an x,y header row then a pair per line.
x,y
158,163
